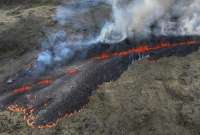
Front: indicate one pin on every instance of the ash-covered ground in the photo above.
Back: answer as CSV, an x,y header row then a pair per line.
x,y
159,98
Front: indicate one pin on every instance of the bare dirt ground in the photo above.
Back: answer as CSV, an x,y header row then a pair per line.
x,y
160,98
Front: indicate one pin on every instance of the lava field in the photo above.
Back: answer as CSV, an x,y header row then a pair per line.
x,y
64,90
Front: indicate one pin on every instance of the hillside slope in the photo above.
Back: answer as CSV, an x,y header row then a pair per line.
x,y
160,98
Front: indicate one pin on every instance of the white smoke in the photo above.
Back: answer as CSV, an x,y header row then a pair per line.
x,y
136,17
187,22
133,17
58,49
130,18
70,11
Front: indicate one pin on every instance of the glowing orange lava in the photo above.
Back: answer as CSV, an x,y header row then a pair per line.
x,y
30,118
15,108
72,71
45,82
22,89
141,49
144,48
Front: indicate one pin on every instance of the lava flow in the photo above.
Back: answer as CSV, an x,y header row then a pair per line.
x,y
145,48
67,92
72,71
22,89
45,82
28,87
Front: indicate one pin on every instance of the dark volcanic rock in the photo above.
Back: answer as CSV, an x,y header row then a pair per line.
x,y
160,98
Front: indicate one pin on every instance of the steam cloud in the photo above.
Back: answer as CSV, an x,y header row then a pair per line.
x,y
59,48
158,17
130,18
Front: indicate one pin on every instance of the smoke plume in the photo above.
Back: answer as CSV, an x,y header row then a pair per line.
x,y
158,17
129,19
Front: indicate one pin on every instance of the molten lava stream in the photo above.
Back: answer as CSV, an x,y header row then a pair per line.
x,y
141,49
46,82
30,118
28,87
145,48
22,89
72,71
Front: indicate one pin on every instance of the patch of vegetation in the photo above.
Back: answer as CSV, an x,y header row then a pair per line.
x,y
14,2
22,36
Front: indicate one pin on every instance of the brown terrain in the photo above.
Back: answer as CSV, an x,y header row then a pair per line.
x,y
160,98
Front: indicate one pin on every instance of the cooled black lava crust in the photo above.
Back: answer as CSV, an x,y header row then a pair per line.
x,y
68,94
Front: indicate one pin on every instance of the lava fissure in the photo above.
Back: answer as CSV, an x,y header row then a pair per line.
x,y
46,99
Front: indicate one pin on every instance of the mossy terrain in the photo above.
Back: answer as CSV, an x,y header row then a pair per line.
x,y
23,24
160,98
21,27
27,2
